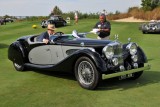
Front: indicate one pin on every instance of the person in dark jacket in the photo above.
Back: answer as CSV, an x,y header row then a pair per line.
x,y
104,27
44,37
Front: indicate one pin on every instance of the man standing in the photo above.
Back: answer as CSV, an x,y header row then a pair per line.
x,y
104,28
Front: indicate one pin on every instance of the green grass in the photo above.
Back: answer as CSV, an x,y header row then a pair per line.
x,y
47,89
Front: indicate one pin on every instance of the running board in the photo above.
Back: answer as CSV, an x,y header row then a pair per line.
x,y
107,76
38,66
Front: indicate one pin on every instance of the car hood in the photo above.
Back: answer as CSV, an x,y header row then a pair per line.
x,y
86,42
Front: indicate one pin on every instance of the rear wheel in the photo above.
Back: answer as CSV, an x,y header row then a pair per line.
x,y
64,24
86,73
18,67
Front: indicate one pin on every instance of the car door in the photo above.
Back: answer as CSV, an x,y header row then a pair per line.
x,y
56,53
40,55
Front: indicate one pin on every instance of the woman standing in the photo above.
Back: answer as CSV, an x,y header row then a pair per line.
x,y
76,17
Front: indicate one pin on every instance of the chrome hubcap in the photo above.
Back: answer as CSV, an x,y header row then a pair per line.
x,y
17,65
86,73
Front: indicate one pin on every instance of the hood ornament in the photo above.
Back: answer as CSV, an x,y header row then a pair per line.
x,y
82,44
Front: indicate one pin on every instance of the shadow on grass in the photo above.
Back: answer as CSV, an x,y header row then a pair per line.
x,y
150,59
58,74
157,33
3,46
147,78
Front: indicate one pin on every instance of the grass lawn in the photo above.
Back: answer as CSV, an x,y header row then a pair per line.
x,y
48,89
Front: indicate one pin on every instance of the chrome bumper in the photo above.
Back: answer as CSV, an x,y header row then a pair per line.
x,y
126,72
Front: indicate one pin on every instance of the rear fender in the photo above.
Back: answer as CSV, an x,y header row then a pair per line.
x,y
16,53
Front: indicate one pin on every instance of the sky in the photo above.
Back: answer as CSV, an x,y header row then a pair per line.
x,y
44,7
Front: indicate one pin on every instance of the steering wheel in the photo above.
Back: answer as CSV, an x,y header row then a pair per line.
x,y
59,33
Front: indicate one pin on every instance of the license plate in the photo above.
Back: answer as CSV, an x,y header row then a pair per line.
x,y
125,76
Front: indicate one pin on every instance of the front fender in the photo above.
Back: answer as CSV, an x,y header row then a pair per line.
x,y
140,53
95,57
67,65
142,58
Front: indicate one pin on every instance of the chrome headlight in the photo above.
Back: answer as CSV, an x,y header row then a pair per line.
x,y
135,58
108,51
147,27
132,48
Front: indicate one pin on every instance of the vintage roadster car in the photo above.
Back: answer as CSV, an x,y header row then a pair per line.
x,y
87,58
57,20
151,27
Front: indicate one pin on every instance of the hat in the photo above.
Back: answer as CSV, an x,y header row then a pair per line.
x,y
51,27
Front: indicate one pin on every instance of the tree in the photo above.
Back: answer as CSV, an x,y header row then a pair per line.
x,y
150,4
56,11
6,16
155,3
117,12
146,5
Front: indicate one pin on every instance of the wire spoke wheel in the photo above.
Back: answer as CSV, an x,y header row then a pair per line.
x,y
18,67
86,73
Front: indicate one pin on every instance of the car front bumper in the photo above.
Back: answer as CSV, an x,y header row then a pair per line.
x,y
126,72
152,31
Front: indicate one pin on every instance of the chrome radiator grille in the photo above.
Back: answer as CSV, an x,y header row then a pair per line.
x,y
118,51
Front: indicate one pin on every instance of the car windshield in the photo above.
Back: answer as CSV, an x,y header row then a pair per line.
x,y
53,37
60,18
54,18
65,37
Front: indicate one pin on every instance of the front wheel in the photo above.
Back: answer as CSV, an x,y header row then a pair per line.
x,y
86,73
18,67
145,32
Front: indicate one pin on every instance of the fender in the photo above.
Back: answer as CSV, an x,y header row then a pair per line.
x,y
95,57
16,52
68,63
140,53
142,58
